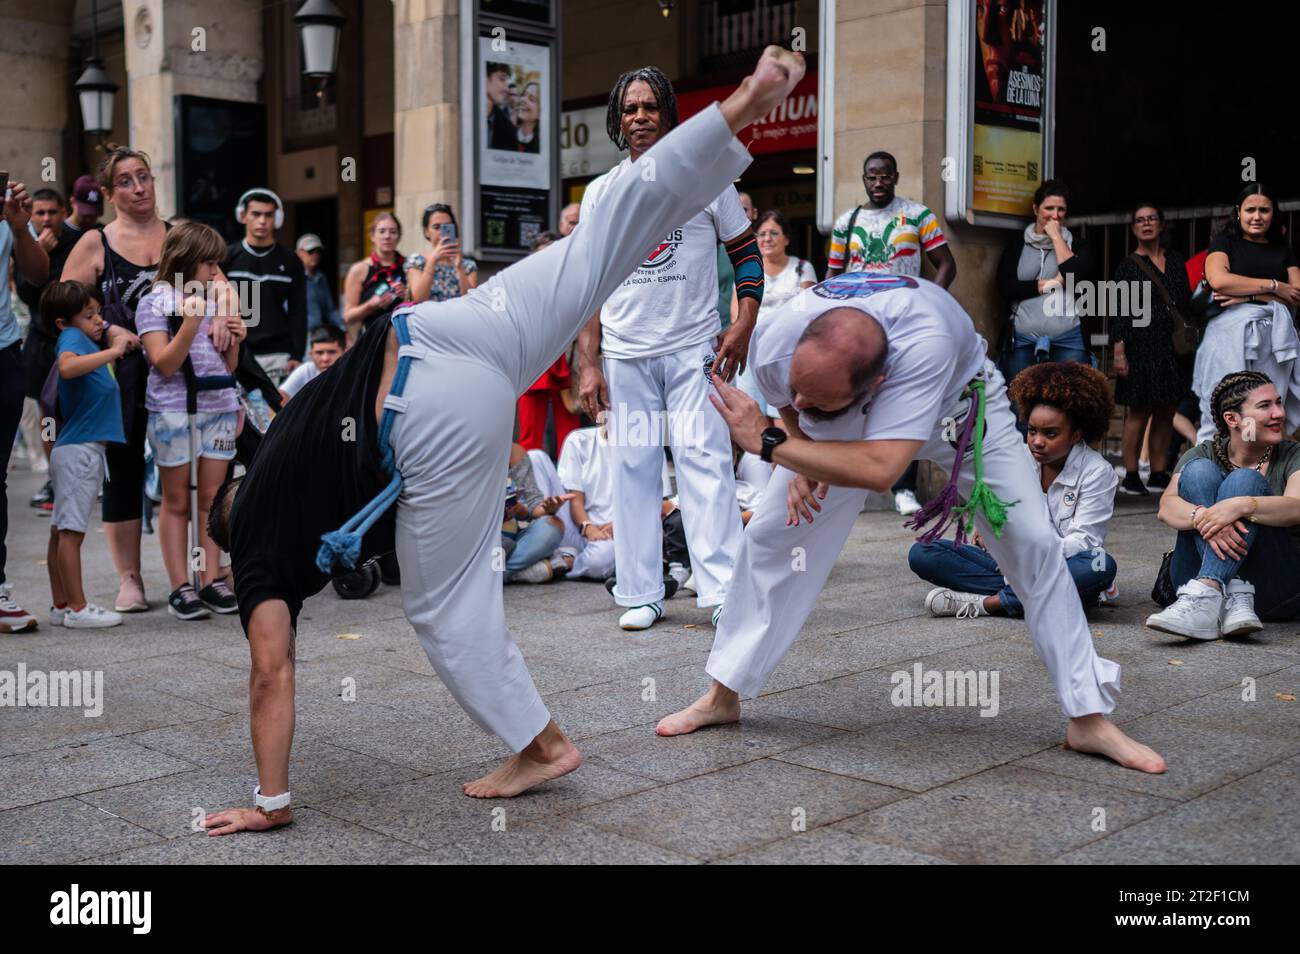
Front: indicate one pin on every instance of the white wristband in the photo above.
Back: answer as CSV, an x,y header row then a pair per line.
x,y
274,803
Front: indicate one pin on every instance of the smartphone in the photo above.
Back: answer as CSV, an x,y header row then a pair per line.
x,y
448,231
4,183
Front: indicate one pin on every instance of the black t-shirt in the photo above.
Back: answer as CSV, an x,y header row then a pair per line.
x,y
279,283
316,468
1253,260
31,293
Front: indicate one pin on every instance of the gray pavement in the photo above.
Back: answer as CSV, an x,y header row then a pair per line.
x,y
823,769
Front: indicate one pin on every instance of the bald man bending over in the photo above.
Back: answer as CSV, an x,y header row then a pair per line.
x,y
870,371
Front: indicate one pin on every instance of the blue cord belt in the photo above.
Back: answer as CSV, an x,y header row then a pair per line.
x,y
342,547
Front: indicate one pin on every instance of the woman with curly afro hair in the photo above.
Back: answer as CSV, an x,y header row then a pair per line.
x,y
1067,406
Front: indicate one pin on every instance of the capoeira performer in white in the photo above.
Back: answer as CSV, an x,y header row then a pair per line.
x,y
422,410
870,371
657,333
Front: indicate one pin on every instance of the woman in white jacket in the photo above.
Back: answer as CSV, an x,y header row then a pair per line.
x,y
1068,406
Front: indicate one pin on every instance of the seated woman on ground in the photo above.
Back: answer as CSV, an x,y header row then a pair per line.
x,y
1235,502
1067,406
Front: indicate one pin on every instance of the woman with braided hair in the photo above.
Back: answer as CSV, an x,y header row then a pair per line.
x,y
1067,406
1235,502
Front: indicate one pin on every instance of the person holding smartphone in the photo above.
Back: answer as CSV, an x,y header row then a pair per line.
x,y
444,273
374,285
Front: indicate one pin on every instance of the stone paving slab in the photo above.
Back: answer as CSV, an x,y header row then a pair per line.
x,y
32,777
64,831
312,839
829,846
554,841
126,708
639,751
1200,759
1249,821
320,772
432,812
736,809
925,749
1031,817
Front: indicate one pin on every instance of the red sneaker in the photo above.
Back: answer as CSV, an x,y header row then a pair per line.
x,y
13,618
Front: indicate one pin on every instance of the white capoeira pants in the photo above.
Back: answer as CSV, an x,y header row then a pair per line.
x,y
473,356
781,570
670,388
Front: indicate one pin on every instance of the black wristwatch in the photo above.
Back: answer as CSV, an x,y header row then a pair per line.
x,y
773,438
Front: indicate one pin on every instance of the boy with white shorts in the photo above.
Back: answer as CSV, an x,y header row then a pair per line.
x,y
92,417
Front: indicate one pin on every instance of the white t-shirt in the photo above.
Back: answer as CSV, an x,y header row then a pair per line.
x,y
934,350
671,301
784,285
299,377
586,464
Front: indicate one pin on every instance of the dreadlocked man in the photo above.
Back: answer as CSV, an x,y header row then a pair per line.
x,y
658,333
1235,502
870,371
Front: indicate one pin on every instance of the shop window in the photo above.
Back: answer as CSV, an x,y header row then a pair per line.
x,y
734,32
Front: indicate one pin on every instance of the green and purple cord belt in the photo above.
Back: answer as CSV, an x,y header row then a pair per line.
x,y
945,508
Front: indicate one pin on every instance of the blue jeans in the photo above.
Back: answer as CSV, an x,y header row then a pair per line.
x,y
1022,351
969,569
535,542
1272,561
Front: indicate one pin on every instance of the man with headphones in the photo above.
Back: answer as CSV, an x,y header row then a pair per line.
x,y
272,279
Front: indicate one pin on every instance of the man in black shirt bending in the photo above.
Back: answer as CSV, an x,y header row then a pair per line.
x,y
274,279
450,414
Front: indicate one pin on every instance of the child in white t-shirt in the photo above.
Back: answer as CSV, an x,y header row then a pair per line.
x,y
325,346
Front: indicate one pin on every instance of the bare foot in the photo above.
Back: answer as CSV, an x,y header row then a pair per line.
x,y
548,756
1095,734
774,76
718,706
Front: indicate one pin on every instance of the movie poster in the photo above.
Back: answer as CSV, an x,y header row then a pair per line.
x,y
515,149
1010,93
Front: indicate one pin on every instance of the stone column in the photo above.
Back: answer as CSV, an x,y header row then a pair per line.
x,y
34,38
426,104
184,47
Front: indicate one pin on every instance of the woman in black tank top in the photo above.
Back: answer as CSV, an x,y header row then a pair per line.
x,y
128,184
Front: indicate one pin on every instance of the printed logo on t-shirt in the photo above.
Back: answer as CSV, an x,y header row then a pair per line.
x,y
665,253
861,285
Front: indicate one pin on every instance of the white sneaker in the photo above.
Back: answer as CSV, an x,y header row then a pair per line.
x,y
57,615
641,617
1239,617
942,601
1195,614
689,585
905,502
91,617
680,574
539,572
13,618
